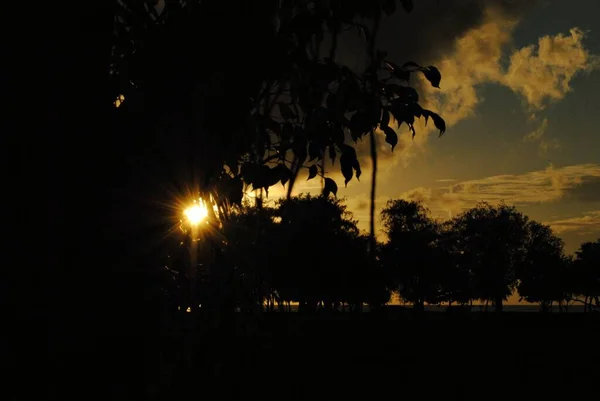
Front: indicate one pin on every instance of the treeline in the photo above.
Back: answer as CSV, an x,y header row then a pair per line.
x,y
309,250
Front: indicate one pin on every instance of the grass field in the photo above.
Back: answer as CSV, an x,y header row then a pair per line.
x,y
393,354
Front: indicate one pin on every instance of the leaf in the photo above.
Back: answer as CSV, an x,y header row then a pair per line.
x,y
312,172
332,101
299,132
349,163
235,190
332,153
391,137
348,150
401,112
285,174
273,126
405,93
273,176
249,173
314,151
364,30
385,118
411,64
299,149
286,111
288,131
356,166
412,128
346,165
407,5
438,121
381,55
389,6
402,75
415,109
359,124
337,134
433,75
330,187
260,178
233,166
390,66
283,147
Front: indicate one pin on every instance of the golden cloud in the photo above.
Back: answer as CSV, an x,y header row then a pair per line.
x,y
538,136
544,72
583,225
539,73
548,185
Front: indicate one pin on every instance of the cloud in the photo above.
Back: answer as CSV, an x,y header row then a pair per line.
x,y
538,137
429,32
538,73
544,72
582,225
479,51
471,41
587,191
544,186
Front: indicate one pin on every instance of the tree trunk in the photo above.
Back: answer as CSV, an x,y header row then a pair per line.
x,y
419,306
498,303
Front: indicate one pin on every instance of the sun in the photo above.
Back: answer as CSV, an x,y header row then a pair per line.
x,y
196,213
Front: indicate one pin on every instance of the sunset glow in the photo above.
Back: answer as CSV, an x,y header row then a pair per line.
x,y
196,213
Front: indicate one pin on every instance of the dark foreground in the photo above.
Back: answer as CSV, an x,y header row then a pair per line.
x,y
371,356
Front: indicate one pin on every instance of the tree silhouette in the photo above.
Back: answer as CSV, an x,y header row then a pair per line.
x,y
493,240
456,274
293,106
543,272
249,236
586,271
412,251
317,252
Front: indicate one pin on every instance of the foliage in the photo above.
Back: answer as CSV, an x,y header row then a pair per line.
x,y
320,255
586,272
457,277
493,240
412,252
544,269
306,249
260,120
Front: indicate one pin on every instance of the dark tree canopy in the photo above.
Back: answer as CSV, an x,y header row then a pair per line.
x,y
543,271
258,120
412,252
587,272
494,238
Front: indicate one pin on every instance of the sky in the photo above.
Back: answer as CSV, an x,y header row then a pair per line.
x,y
519,93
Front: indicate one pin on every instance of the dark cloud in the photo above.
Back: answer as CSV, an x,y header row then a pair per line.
x,y
587,191
430,30
425,36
